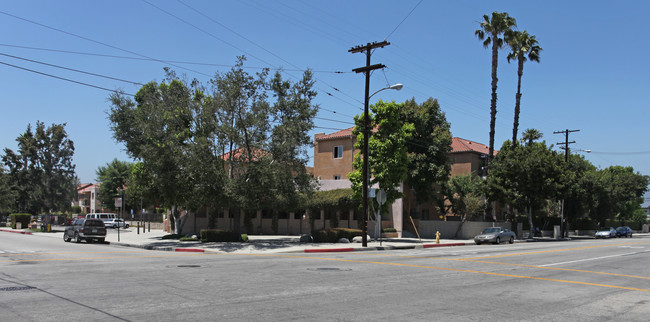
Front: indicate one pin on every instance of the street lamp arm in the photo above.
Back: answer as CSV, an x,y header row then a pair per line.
x,y
396,87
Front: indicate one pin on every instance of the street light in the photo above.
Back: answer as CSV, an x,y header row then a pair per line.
x,y
366,172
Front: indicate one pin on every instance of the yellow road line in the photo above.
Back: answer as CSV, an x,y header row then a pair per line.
x,y
556,250
460,270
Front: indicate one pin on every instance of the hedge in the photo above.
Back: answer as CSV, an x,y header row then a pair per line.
x,y
21,218
333,235
217,235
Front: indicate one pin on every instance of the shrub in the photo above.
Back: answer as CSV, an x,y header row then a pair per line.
x,y
188,239
217,235
389,230
21,218
172,236
244,237
333,235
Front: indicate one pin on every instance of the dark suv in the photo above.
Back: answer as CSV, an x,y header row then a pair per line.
x,y
85,229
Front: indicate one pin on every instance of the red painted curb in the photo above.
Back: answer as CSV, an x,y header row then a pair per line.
x,y
442,245
193,250
329,250
17,232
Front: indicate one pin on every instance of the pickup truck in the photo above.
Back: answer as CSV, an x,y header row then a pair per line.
x,y
85,229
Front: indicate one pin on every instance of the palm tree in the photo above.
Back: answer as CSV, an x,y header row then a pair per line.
x,y
522,44
530,135
490,31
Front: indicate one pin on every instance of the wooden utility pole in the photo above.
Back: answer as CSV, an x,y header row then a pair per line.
x,y
366,127
566,160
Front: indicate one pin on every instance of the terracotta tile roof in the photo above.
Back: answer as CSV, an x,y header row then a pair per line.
x,y
463,145
346,133
240,153
457,144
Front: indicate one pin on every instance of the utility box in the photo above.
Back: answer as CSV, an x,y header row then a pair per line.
x,y
556,232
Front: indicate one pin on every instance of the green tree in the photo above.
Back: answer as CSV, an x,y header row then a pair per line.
x,y
41,172
388,161
427,149
156,129
466,197
531,135
617,192
114,177
7,197
526,176
490,32
523,47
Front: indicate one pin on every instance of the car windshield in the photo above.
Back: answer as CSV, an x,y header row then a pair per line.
x,y
605,229
491,230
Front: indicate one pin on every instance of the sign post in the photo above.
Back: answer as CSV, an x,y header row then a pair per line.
x,y
381,199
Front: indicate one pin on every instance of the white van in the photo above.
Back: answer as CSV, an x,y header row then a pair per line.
x,y
102,216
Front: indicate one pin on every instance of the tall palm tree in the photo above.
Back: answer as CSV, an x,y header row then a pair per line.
x,y
521,44
530,135
491,30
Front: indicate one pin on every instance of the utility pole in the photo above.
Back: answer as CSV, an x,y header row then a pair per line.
x,y
566,160
366,126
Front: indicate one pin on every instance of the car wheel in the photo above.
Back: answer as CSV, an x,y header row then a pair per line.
x,y
512,240
76,238
127,226
66,238
498,241
89,240
630,235
114,226
478,243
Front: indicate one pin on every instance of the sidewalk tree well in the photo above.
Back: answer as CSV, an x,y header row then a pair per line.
x,y
41,173
526,176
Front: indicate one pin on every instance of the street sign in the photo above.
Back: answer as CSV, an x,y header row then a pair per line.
x,y
381,196
118,202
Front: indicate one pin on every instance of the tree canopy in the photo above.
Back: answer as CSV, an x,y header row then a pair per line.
x,y
41,173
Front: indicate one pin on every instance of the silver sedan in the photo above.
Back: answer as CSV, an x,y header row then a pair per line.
x,y
495,235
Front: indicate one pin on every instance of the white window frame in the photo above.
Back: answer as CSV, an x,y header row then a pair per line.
x,y
339,149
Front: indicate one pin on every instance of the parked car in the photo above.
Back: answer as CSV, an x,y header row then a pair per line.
x,y
85,229
116,222
606,232
623,231
495,235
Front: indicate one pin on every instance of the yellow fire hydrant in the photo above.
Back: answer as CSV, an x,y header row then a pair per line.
x,y
437,237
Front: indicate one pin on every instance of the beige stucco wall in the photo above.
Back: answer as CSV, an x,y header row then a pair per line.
x,y
326,166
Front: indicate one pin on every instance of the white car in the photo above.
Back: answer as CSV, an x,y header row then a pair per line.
x,y
114,223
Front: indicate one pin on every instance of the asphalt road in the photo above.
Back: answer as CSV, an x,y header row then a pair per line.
x,y
44,279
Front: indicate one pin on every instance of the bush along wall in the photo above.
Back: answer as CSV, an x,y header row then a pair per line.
x,y
333,235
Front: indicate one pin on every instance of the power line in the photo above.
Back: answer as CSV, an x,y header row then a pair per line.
x,y
99,42
408,15
65,79
236,33
169,60
72,69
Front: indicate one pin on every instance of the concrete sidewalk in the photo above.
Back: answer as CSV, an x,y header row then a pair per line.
x,y
257,244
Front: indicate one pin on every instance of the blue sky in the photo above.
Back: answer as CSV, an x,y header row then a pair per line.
x,y
593,74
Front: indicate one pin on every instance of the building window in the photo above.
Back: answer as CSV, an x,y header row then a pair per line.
x,y
337,177
338,152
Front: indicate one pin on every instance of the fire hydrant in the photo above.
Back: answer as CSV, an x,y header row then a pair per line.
x,y
437,237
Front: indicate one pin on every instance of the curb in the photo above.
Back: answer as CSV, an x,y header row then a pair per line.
x,y
190,250
350,249
17,231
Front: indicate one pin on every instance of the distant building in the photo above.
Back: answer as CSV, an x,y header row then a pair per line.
x,y
334,154
87,198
